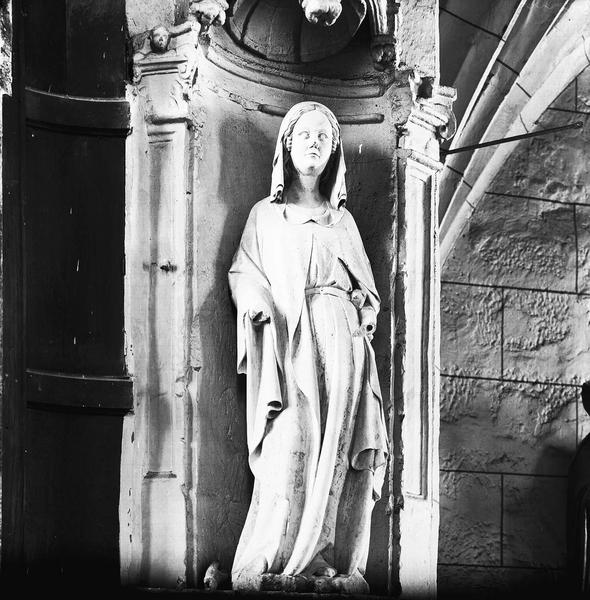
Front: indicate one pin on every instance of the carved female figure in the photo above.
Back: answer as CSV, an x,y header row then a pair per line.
x,y
306,306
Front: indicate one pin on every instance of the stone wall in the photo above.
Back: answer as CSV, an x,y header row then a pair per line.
x,y
515,348
5,88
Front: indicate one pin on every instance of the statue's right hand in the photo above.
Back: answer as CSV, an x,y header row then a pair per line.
x,y
258,316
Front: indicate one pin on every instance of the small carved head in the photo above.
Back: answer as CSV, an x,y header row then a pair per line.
x,y
159,39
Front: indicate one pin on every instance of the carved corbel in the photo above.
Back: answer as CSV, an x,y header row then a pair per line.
x,y
321,12
171,53
382,17
431,119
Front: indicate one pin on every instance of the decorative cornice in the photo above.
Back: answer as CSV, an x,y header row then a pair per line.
x,y
164,70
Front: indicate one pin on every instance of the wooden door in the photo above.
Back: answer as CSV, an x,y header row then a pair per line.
x,y
65,383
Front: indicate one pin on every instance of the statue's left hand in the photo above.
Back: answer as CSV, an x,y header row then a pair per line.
x,y
368,320
258,317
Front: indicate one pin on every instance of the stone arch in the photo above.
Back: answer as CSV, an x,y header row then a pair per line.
x,y
559,57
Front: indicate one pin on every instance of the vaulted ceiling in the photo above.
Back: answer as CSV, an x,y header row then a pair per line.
x,y
508,61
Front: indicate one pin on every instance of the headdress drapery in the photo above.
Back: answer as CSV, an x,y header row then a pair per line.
x,y
335,178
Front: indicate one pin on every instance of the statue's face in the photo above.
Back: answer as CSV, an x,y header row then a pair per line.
x,y
159,39
311,143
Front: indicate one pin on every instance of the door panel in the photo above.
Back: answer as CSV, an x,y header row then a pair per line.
x,y
67,389
73,235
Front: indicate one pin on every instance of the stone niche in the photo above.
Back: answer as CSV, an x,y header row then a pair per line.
x,y
207,103
238,121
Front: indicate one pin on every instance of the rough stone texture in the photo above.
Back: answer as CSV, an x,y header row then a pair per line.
x,y
534,521
527,432
473,535
417,36
508,427
554,165
142,15
471,330
517,242
5,48
546,336
583,231
493,583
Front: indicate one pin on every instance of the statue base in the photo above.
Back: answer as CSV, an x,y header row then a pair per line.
x,y
354,584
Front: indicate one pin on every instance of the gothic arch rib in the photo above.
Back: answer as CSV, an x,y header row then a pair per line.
x,y
562,52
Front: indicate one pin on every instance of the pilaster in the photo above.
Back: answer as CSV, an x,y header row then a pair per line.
x,y
156,480
417,334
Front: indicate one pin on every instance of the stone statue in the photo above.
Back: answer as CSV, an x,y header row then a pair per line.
x,y
306,310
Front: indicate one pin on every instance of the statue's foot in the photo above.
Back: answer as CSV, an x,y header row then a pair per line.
x,y
326,571
319,567
249,578
351,584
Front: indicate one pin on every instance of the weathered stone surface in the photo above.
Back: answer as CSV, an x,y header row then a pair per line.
x,y
494,583
471,330
5,48
583,89
145,14
512,427
583,231
470,518
567,99
517,242
546,336
551,166
417,36
534,521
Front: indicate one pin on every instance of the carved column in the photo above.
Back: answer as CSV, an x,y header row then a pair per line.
x,y
156,504
417,328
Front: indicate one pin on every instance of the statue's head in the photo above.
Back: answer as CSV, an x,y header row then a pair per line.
x,y
310,144
159,39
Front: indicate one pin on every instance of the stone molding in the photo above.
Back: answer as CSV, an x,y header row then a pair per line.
x,y
164,77
558,58
431,121
417,334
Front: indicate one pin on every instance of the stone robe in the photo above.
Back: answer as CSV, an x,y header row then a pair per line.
x,y
316,432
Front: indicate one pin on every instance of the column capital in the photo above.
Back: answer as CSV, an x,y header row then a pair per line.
x,y
430,122
164,69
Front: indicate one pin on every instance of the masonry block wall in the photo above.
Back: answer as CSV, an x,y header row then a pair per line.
x,y
515,349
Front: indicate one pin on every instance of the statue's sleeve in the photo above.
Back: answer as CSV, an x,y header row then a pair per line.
x,y
358,263
248,283
257,344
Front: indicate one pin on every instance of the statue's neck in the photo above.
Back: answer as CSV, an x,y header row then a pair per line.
x,y
305,191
